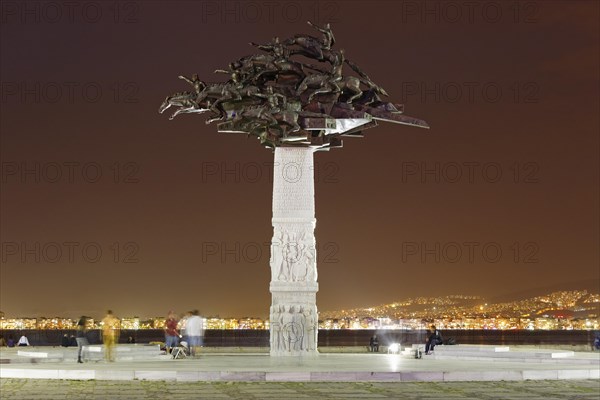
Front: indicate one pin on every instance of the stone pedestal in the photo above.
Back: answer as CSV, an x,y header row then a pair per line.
x,y
294,319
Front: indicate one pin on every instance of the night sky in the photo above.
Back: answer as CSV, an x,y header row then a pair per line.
x,y
107,204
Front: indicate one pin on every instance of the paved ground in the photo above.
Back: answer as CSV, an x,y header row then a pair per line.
x,y
524,390
324,368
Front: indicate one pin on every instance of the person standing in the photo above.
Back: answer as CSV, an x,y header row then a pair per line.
x,y
81,337
171,333
194,328
110,333
374,344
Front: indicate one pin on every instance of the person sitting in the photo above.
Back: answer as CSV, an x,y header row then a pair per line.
x,y
185,346
65,341
434,339
23,341
374,344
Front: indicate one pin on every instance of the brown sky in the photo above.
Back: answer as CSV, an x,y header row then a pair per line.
x,y
511,91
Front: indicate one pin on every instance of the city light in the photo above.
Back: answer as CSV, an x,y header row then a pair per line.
x,y
567,310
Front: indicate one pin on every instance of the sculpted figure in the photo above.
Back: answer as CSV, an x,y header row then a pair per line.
x,y
298,328
275,327
276,254
184,100
308,260
196,83
288,331
311,46
281,326
219,93
328,39
284,269
310,330
324,83
262,113
299,269
278,49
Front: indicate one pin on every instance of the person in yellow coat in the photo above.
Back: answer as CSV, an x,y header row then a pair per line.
x,y
110,334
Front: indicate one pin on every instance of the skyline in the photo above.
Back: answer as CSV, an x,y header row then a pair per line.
x,y
560,305
149,214
588,290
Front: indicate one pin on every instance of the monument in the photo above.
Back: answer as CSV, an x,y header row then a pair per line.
x,y
296,108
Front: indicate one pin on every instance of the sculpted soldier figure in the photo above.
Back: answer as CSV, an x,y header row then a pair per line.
x,y
196,83
311,46
278,49
309,330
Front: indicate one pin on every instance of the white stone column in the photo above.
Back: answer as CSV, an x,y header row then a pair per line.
x,y
294,319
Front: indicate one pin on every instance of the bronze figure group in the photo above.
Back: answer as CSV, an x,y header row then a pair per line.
x,y
284,101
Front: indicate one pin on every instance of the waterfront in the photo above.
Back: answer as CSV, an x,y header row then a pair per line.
x,y
339,337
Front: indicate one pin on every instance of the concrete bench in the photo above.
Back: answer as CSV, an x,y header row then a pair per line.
x,y
123,352
41,356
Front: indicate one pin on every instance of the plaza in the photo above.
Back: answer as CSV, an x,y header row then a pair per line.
x,y
447,364
253,374
327,202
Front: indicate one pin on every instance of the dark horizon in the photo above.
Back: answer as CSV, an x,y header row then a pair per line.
x,y
151,215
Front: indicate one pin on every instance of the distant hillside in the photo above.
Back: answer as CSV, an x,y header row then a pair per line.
x,y
579,302
591,285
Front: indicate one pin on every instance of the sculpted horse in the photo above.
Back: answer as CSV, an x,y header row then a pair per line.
x,y
323,82
184,100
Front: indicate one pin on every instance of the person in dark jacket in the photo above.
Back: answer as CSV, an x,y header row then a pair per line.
x,y
81,336
65,341
374,344
435,338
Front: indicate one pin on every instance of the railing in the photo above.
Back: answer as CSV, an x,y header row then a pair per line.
x,y
260,338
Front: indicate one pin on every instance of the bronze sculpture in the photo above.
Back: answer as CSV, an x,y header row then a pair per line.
x,y
285,102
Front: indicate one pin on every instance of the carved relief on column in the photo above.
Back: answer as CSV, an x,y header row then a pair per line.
x,y
293,253
293,329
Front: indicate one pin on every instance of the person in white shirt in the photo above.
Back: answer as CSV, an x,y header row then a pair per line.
x,y
23,341
194,329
